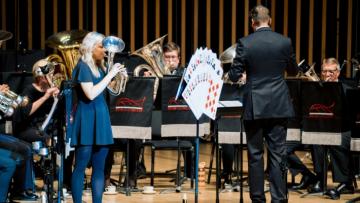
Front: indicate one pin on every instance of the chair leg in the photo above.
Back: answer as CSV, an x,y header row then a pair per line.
x,y
152,166
211,162
122,167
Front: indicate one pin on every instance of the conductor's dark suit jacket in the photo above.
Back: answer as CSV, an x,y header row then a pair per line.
x,y
265,55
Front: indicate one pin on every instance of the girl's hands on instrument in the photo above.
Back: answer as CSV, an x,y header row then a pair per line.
x,y
115,69
123,71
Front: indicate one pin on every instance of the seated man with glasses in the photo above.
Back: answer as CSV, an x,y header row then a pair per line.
x,y
330,70
172,59
339,155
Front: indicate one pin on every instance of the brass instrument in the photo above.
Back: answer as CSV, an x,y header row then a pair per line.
x,y
115,45
52,68
307,72
5,35
67,43
10,100
226,59
152,53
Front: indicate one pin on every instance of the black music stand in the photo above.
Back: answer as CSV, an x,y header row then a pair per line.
x,y
293,135
176,115
353,98
131,115
228,108
323,118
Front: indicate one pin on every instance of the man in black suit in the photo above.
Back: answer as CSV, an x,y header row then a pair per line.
x,y
265,55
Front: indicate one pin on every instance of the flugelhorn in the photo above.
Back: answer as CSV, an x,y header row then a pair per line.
x,y
115,45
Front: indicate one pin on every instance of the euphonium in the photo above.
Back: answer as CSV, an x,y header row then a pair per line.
x,y
152,53
115,45
226,59
308,71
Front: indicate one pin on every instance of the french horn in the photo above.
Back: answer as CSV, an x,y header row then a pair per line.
x,y
115,45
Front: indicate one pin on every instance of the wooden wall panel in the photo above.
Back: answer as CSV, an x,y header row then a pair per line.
x,y
181,21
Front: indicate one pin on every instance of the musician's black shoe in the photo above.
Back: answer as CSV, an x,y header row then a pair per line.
x,y
305,182
342,188
315,188
25,196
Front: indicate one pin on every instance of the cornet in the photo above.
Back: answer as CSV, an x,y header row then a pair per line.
x,y
10,100
115,45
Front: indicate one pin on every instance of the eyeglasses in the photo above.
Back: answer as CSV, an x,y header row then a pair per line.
x,y
171,57
329,71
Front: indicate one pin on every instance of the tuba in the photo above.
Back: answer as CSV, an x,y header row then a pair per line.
x,y
226,59
67,43
115,45
152,53
307,72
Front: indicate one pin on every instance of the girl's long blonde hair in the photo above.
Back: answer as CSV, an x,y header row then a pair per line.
x,y
86,50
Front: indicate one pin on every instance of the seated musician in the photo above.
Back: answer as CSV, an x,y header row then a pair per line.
x,y
27,120
330,72
171,53
16,164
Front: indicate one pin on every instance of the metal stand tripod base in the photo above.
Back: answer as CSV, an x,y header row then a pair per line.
x,y
312,194
124,190
177,189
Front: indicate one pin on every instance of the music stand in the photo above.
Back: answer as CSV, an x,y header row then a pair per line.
x,y
323,119
353,98
229,108
131,114
176,115
293,135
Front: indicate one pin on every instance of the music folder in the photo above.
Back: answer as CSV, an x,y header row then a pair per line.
x,y
229,107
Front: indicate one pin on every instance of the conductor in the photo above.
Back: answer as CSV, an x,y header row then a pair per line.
x,y
265,55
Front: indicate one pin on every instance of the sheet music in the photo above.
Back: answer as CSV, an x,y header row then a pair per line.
x,y
230,103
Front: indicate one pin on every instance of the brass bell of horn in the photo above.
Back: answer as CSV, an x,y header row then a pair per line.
x,y
115,45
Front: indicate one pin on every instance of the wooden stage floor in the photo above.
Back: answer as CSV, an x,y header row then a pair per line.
x,y
166,160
